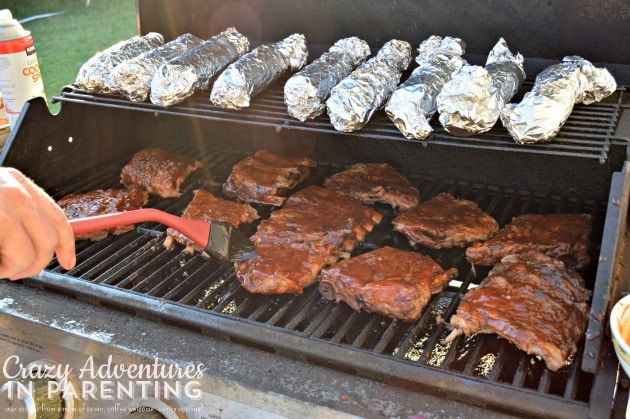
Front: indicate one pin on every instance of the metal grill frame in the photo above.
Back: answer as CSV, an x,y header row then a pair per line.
x,y
129,274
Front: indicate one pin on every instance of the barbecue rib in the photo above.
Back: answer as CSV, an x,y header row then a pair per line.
x,y
445,221
532,300
562,236
266,178
388,281
316,227
207,207
281,269
103,201
158,172
375,182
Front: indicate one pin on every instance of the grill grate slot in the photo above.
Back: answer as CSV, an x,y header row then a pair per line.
x,y
121,271
196,280
499,363
211,296
165,275
371,332
337,335
295,311
105,257
323,313
521,373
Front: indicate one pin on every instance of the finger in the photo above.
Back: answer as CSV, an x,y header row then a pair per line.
x,y
63,235
65,243
65,250
30,272
17,253
43,238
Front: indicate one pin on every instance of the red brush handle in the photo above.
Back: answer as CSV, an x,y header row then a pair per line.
x,y
197,231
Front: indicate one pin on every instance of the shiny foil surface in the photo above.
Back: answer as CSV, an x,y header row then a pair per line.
x,y
93,73
471,102
256,70
545,109
305,93
412,104
132,78
354,100
193,70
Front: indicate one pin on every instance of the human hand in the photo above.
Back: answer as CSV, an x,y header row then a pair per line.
x,y
32,228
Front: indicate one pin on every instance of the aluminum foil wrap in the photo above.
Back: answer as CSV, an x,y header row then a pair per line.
x,y
306,91
354,100
256,70
471,102
93,73
132,78
412,105
193,70
545,109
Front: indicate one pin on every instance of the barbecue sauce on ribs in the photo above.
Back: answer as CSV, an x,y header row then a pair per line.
x,y
266,178
562,236
206,207
158,172
388,281
445,221
375,182
100,202
315,228
532,300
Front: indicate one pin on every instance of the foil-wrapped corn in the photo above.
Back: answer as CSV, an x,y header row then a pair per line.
x,y
256,70
471,102
193,70
354,100
306,91
132,78
94,72
412,105
545,109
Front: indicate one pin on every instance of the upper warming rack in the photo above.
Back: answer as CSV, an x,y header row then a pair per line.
x,y
588,132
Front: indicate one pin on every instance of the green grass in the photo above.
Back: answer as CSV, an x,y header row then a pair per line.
x,y
64,42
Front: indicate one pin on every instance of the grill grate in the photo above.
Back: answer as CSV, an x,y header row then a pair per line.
x,y
134,273
587,133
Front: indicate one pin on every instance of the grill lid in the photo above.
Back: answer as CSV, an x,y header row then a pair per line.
x,y
539,30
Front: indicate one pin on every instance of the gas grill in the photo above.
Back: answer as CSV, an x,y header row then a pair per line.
x,y
130,298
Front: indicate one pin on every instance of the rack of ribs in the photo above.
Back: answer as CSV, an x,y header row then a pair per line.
x,y
445,221
206,207
158,172
375,182
388,281
562,236
100,202
266,178
316,227
532,300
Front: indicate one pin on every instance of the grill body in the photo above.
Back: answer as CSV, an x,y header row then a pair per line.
x,y
198,306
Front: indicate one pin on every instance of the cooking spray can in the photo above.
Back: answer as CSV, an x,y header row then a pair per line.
x,y
20,77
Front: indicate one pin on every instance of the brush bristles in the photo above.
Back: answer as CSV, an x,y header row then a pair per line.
x,y
227,243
